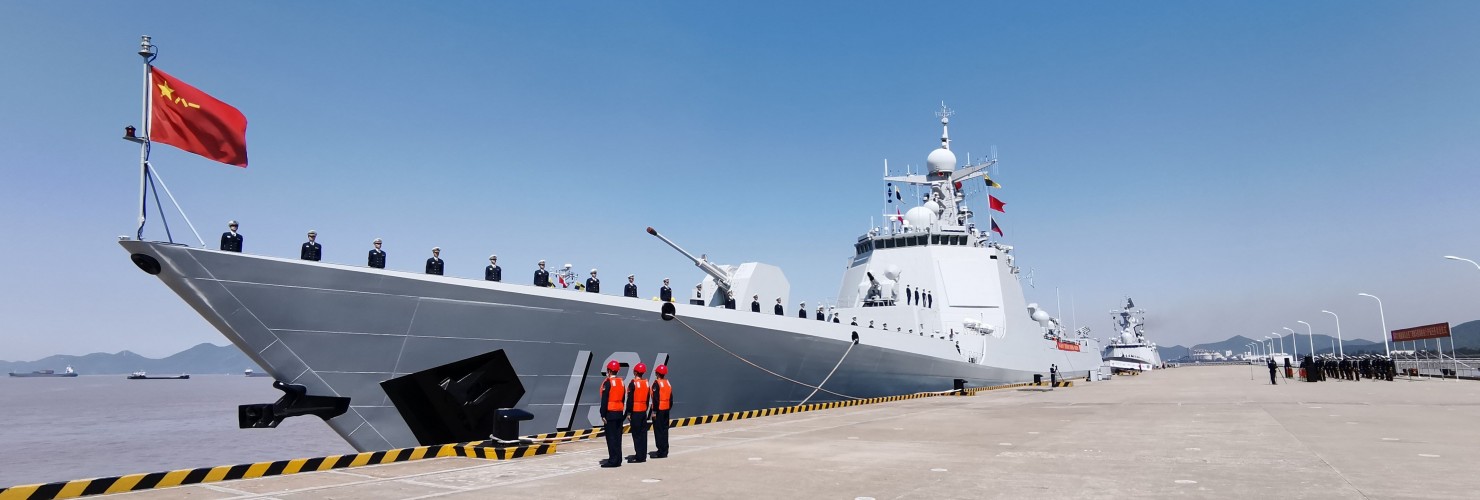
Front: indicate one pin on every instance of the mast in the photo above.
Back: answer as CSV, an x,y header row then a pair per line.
x,y
147,51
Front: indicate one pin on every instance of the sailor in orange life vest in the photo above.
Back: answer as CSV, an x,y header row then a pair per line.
x,y
612,399
638,396
662,401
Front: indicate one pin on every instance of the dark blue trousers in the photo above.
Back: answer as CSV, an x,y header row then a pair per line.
x,y
613,431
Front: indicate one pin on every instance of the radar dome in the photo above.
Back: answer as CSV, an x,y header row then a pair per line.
x,y
919,216
1041,316
892,272
941,160
934,207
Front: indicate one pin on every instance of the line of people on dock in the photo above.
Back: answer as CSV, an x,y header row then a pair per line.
x,y
1367,366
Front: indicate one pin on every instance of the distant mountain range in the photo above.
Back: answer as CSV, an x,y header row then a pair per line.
x,y
199,360
1466,336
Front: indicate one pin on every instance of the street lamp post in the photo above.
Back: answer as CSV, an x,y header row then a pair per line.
x,y
1294,347
1451,257
1383,316
1309,334
1338,333
1281,340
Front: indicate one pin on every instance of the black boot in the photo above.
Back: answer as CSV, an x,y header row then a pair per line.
x,y
609,464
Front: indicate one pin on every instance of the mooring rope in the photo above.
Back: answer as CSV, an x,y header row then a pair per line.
x,y
762,368
829,374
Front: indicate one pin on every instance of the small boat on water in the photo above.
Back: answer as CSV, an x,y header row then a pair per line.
x,y
146,376
46,373
248,372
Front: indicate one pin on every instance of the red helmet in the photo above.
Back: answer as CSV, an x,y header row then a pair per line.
x,y
639,369
613,366
662,370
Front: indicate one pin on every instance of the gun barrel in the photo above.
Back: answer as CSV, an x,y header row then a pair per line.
x,y
719,276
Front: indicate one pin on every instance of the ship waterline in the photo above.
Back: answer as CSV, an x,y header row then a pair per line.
x,y
342,330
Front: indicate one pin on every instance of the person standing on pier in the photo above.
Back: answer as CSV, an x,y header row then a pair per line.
x,y
631,289
593,284
1272,368
312,250
376,258
662,402
665,294
613,408
231,241
730,300
802,310
755,303
780,311
638,397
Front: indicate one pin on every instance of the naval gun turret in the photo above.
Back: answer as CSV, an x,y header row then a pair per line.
x,y
749,281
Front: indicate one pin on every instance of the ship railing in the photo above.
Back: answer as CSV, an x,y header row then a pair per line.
x,y
1440,366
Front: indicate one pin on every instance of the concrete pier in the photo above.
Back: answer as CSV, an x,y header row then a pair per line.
x,y
1209,432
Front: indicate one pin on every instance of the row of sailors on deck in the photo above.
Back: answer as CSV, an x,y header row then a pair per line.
x,y
231,241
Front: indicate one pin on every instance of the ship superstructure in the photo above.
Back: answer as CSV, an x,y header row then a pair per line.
x,y
398,359
1129,351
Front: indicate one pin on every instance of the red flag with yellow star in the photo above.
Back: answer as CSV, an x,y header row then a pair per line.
x,y
186,118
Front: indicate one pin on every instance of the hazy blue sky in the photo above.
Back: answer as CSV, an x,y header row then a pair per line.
x,y
1233,166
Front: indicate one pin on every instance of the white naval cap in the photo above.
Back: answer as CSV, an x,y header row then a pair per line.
x,y
542,261
377,240
312,232
436,249
632,276
231,223
493,257
593,270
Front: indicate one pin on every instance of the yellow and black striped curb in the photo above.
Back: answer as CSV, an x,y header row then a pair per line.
x,y
1061,383
153,480
971,391
580,434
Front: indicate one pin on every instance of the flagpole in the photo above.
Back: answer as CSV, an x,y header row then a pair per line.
x,y
147,52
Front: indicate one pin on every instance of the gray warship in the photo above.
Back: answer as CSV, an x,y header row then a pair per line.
x,y
396,359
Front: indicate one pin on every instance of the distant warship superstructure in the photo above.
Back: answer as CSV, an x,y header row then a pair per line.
x,y
1130,351
414,359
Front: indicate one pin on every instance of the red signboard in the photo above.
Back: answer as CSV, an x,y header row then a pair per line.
x,y
1434,331
1068,346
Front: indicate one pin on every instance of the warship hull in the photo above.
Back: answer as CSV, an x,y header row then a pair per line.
x,y
1132,358
343,330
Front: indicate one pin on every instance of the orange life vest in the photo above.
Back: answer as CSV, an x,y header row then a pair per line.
x,y
615,394
640,394
663,394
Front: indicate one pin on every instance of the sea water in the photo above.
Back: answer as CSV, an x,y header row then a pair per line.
x,y
59,429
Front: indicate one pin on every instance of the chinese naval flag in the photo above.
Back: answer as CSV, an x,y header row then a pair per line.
x,y
186,118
